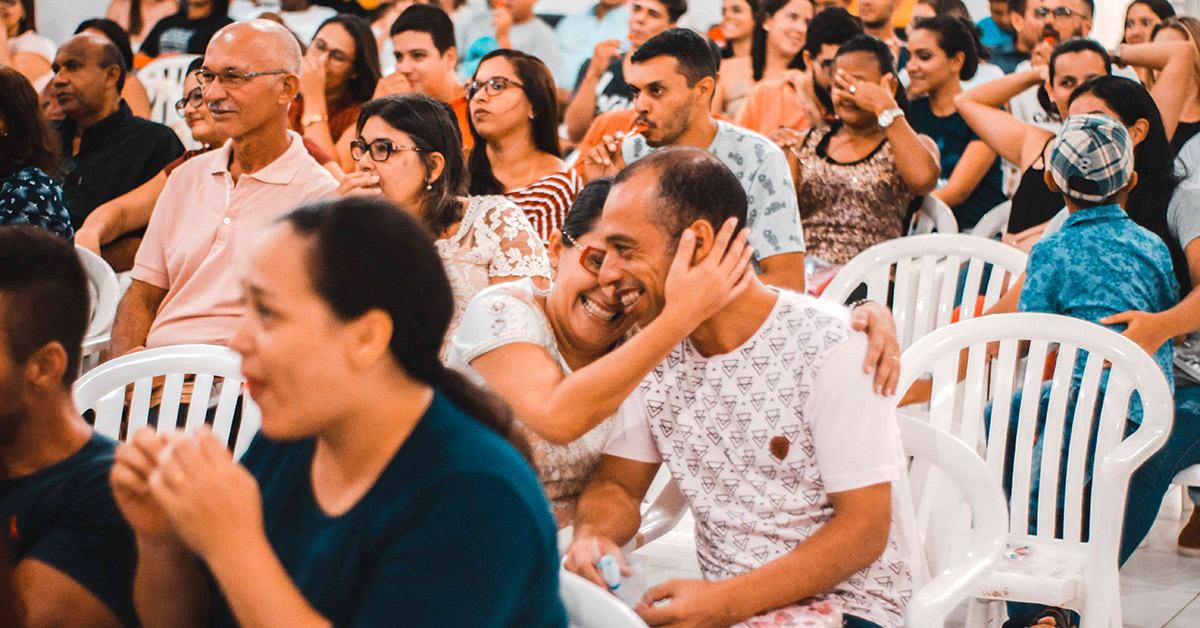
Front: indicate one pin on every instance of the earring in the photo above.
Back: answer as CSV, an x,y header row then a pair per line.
x,y
428,186
532,117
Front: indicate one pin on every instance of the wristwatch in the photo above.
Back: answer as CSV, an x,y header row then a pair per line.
x,y
888,117
310,120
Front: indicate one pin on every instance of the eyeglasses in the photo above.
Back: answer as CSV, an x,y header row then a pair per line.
x,y
494,86
231,79
335,54
380,150
590,257
1057,12
194,98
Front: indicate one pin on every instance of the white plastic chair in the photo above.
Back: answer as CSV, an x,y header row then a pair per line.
x,y
933,216
1067,572
589,606
922,273
163,79
104,292
659,518
994,223
958,565
103,391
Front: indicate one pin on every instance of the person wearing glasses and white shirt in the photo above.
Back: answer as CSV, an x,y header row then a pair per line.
x,y
408,150
216,206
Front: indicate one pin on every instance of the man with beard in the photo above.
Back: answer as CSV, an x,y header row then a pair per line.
x,y
1040,26
673,76
72,553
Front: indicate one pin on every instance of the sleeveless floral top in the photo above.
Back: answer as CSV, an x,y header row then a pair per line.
x,y
494,239
848,207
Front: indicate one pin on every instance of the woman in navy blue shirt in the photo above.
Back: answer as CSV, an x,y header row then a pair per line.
x,y
943,51
383,490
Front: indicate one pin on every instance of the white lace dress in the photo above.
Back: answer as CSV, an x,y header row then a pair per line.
x,y
493,240
510,313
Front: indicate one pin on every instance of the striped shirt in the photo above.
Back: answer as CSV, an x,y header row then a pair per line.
x,y
546,201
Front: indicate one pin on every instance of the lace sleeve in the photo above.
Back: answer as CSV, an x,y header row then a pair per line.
x,y
498,316
519,251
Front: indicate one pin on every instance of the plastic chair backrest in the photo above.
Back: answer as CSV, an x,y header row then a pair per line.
x,y
918,277
104,292
994,223
992,378
589,606
933,216
945,475
163,79
103,391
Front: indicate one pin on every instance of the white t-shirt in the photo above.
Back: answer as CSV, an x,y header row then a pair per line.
x,y
759,437
760,166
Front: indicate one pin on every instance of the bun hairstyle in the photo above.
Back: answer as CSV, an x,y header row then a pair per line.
x,y
955,35
367,254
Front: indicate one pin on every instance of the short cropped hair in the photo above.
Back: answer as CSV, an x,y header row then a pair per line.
x,y
111,55
691,51
692,185
675,9
46,290
426,18
832,27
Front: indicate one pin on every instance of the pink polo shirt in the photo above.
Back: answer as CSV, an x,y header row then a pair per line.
x,y
203,230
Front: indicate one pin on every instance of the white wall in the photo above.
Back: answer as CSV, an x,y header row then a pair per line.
x,y
57,19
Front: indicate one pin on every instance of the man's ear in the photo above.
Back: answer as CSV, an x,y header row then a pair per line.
x,y
705,235
112,74
809,62
46,367
450,59
1133,181
707,86
291,88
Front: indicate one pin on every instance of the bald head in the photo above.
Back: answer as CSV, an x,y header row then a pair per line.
x,y
94,48
265,44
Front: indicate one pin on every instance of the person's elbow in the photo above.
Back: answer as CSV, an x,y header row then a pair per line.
x,y
925,182
561,433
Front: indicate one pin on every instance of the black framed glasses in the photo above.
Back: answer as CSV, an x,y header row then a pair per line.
x,y
231,79
1043,12
493,86
194,98
590,257
380,150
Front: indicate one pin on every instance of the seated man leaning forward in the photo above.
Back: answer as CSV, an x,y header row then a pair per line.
x,y
766,421
73,554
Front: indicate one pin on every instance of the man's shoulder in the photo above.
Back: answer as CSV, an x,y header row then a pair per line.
x,y
733,139
151,129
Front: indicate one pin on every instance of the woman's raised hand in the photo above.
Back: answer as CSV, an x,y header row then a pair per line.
x,y
697,290
135,461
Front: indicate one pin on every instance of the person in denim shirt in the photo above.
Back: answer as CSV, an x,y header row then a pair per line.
x,y
1098,264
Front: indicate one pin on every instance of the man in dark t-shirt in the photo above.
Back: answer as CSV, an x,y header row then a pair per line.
x,y
72,552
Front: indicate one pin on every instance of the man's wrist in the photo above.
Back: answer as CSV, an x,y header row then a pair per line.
x,y
735,599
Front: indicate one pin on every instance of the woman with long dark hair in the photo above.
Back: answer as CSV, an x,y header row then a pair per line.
x,y
775,48
408,150
514,121
21,47
1073,62
1141,16
137,17
28,154
943,52
134,92
740,20
381,487
339,74
854,189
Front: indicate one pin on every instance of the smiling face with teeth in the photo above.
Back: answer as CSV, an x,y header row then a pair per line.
x,y
639,249
587,320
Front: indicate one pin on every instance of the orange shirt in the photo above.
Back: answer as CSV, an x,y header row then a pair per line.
x,y
771,105
462,112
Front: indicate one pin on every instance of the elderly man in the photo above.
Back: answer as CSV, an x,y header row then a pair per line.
x,y
108,150
72,551
216,205
787,462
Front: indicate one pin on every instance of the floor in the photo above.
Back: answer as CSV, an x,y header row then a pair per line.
x,y
1159,588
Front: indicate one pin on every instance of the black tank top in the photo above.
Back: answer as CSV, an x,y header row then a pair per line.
x,y
1184,132
1033,203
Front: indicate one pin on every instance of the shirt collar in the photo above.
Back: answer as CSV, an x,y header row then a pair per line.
x,y
278,172
103,126
1097,213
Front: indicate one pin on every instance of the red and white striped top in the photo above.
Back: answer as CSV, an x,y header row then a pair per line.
x,y
546,201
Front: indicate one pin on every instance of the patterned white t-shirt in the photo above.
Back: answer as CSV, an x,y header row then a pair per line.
x,y
760,166
758,437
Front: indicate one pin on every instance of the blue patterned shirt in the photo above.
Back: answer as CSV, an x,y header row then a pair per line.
x,y
30,197
1098,264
